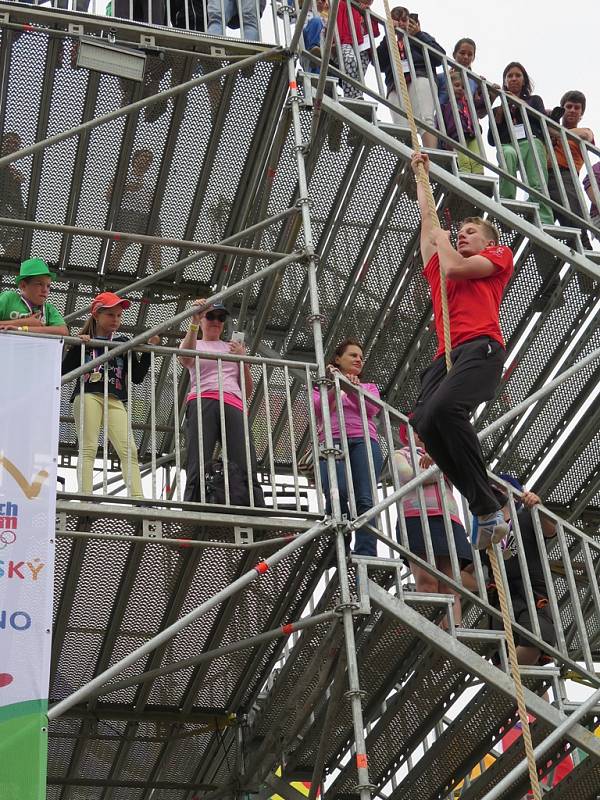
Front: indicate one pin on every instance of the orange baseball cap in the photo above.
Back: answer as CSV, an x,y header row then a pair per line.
x,y
108,300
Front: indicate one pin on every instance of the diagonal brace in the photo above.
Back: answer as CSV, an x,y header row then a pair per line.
x,y
138,105
480,668
172,630
169,323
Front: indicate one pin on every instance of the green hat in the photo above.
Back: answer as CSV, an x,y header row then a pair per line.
x,y
33,267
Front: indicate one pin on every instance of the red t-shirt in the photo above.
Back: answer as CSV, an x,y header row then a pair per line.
x,y
473,303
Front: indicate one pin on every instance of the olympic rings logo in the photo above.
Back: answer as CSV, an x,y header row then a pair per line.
x,y
6,538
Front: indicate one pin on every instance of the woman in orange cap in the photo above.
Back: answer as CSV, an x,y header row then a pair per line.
x,y
104,322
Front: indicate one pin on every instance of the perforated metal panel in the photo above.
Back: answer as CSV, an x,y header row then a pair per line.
x,y
224,157
408,718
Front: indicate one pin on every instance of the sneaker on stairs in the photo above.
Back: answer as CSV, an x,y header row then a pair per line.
x,y
488,529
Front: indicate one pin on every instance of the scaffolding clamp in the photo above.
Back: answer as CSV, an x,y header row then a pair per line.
x,y
262,567
325,381
367,786
341,607
361,695
284,7
336,452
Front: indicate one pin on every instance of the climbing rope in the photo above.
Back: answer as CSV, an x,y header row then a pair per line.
x,y
516,675
421,174
423,180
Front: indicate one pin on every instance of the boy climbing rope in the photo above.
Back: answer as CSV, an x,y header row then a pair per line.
x,y
477,273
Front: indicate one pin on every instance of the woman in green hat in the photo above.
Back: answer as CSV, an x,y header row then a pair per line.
x,y
28,308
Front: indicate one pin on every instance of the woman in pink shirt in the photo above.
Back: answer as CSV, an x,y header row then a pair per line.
x,y
211,322
348,360
411,507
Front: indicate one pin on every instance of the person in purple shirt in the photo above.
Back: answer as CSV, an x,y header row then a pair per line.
x,y
348,361
587,185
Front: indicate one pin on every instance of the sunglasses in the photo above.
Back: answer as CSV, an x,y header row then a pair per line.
x,y
214,315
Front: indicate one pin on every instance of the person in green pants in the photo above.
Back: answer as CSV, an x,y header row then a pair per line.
x,y
517,83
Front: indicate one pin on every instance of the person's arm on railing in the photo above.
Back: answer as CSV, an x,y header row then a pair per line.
x,y
428,39
71,359
55,324
140,362
406,471
584,133
530,499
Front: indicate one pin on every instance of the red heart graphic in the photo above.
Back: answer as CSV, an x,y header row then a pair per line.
x,y
5,679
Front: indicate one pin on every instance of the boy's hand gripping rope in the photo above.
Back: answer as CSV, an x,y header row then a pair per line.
x,y
421,174
422,178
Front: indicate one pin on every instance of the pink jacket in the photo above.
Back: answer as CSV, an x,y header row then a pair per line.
x,y
352,419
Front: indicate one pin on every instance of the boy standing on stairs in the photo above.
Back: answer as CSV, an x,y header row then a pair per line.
x,y
477,273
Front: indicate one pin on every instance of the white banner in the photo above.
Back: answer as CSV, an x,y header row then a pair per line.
x,y
29,420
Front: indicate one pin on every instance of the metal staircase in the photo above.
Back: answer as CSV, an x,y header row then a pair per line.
x,y
291,666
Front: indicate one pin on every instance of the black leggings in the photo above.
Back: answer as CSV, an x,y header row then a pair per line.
x,y
442,416
211,434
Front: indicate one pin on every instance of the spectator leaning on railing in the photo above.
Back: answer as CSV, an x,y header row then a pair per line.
x,y
210,322
419,89
467,123
516,82
104,322
348,361
527,653
571,110
28,308
463,54
313,32
434,508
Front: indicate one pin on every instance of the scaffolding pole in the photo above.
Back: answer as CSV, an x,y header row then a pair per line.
x,y
346,606
172,630
137,106
186,512
550,741
141,238
172,321
184,262
234,647
181,543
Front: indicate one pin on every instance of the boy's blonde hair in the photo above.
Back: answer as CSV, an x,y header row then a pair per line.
x,y
489,230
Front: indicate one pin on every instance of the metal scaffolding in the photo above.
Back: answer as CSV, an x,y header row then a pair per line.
x,y
208,651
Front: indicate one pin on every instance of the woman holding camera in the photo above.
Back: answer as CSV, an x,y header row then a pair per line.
x,y
210,320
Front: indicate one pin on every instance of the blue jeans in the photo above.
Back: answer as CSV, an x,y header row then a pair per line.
x,y
365,543
249,17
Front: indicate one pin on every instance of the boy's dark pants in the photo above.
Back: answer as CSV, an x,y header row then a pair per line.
x,y
441,416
